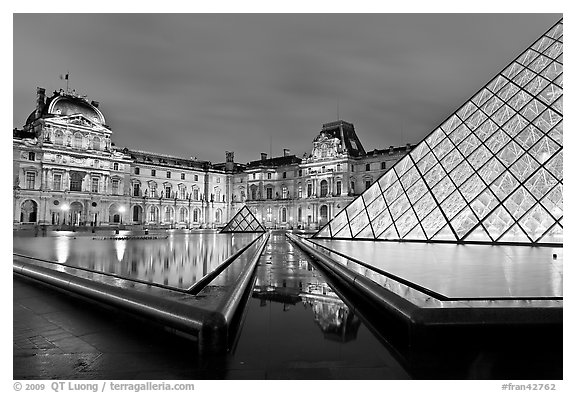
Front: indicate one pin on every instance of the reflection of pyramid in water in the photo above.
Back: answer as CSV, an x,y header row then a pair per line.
x,y
492,172
243,221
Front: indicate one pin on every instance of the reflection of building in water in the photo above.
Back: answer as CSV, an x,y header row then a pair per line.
x,y
176,262
333,317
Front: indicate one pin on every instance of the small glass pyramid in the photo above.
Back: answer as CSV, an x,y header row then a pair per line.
x,y
491,173
243,221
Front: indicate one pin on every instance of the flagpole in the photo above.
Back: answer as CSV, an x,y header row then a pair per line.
x,y
67,80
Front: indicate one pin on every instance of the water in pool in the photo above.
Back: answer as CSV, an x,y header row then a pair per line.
x,y
174,259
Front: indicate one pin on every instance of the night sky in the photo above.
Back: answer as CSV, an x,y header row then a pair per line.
x,y
198,85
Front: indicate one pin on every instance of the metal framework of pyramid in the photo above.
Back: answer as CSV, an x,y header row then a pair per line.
x,y
491,173
243,221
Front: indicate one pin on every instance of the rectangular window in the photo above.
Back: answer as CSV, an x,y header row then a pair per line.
x,y
383,165
368,183
95,183
30,179
299,191
253,176
352,168
269,193
195,177
75,181
136,171
57,182
338,187
168,192
195,192
115,166
182,176
115,184
153,172
284,175
31,156
168,174
367,167
284,192
269,176
136,189
309,190
153,191
299,172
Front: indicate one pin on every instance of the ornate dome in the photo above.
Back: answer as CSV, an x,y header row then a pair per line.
x,y
66,105
61,104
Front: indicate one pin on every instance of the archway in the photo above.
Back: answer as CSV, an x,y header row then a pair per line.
x,y
115,214
28,211
76,213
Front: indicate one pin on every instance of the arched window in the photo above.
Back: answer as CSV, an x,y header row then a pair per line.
x,y
196,216
323,188
183,214
323,214
78,140
153,214
168,215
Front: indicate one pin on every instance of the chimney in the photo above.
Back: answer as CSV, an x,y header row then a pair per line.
x,y
286,152
391,150
95,104
229,161
263,156
40,97
408,147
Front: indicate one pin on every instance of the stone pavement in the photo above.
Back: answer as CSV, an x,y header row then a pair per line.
x,y
57,336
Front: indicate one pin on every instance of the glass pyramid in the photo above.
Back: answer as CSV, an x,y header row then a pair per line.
x,y
492,172
243,221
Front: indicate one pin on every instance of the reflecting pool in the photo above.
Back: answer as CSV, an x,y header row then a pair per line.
x,y
172,259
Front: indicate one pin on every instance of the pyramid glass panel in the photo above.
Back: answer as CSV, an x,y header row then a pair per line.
x,y
243,221
491,172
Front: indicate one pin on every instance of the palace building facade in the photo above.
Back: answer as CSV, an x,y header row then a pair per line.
x,y
67,172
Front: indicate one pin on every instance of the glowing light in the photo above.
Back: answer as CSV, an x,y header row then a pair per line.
x,y
65,207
